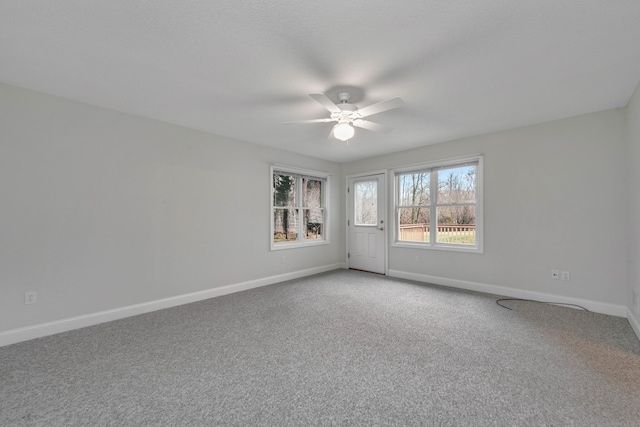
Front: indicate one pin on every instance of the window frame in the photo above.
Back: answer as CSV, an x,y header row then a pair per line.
x,y
300,174
432,244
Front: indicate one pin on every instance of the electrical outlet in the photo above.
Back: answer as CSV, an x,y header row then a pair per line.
x,y
565,275
30,297
555,274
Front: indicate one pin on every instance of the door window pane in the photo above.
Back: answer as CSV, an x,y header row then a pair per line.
x,y
366,202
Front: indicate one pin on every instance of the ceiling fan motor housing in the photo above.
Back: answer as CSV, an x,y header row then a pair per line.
x,y
344,97
347,110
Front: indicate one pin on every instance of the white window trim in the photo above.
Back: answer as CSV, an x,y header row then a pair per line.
x,y
311,173
479,246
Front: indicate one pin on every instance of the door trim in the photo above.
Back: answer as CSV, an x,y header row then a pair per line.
x,y
347,194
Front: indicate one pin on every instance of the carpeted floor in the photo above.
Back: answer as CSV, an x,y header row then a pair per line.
x,y
340,348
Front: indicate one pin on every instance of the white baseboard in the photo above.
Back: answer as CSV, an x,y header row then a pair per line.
x,y
13,336
635,325
598,307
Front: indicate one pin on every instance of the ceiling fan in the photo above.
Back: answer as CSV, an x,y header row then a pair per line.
x,y
349,116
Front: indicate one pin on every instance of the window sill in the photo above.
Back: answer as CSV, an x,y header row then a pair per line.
x,y
304,244
439,247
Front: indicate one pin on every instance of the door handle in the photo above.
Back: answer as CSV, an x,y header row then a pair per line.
x,y
381,228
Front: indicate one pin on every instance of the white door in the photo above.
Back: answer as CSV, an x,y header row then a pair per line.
x,y
367,223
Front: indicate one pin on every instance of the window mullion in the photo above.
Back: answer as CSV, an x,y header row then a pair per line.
x,y
433,207
396,220
457,204
299,202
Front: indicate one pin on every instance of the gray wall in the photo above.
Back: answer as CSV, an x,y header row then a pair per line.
x,y
554,197
100,210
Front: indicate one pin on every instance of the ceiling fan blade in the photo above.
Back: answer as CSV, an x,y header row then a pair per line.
x,y
325,102
327,120
376,127
381,106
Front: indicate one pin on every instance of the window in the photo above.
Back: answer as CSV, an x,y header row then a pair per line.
x,y
298,207
439,205
366,202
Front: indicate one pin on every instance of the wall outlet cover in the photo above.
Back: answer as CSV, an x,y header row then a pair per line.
x,y
30,297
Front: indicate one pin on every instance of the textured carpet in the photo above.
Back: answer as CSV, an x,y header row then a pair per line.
x,y
340,348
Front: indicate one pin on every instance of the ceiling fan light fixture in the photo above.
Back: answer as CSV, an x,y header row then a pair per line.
x,y
343,131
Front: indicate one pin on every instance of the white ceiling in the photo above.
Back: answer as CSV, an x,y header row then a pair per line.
x,y
241,68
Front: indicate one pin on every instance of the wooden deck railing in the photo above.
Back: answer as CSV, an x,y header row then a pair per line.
x,y
453,233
